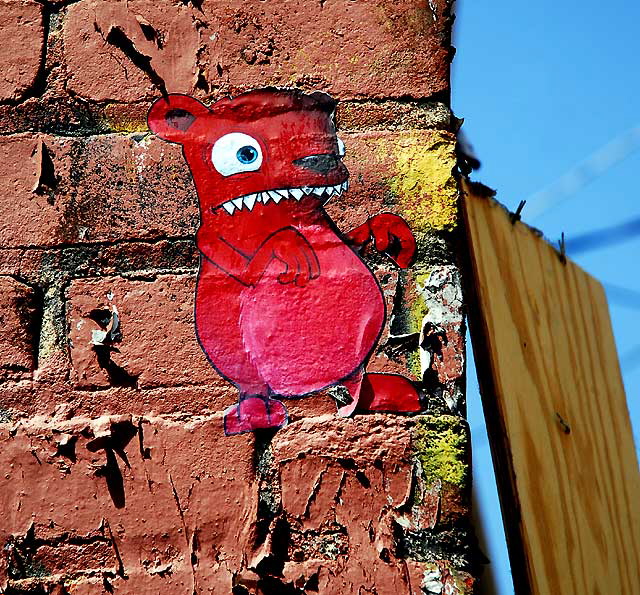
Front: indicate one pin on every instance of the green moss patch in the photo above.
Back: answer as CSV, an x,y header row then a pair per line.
x,y
441,445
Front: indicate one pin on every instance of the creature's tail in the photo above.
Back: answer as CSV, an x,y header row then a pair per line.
x,y
382,392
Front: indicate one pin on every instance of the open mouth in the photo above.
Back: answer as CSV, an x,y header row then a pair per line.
x,y
249,200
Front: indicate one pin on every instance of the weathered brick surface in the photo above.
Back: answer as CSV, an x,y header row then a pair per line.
x,y
93,260
22,30
117,477
150,504
102,188
155,345
26,214
112,187
18,313
354,49
166,32
138,510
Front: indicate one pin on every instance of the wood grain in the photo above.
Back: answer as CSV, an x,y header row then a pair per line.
x,y
556,411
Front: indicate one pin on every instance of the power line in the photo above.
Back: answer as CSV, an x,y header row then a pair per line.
x,y
602,238
631,359
622,295
573,180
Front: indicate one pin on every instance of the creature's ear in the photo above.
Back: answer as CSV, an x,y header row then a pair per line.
x,y
171,117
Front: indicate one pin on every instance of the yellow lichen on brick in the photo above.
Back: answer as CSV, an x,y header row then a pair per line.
x,y
423,183
419,308
130,120
440,445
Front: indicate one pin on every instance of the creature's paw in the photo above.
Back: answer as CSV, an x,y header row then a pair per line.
x,y
392,235
254,413
297,255
288,246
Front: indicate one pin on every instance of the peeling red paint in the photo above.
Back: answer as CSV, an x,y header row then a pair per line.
x,y
144,504
20,22
116,477
350,50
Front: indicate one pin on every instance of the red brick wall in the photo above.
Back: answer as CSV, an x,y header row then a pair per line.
x,y
117,477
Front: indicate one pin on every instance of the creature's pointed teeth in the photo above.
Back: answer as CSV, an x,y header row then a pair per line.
x,y
275,196
249,200
329,191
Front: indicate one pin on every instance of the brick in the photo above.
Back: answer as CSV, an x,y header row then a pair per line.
x,y
21,23
18,319
163,513
350,486
352,50
103,188
25,214
408,172
158,345
43,397
71,116
94,260
111,187
389,115
166,33
163,500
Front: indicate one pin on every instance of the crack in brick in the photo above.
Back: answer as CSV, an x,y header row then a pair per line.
x,y
119,39
314,493
120,570
189,542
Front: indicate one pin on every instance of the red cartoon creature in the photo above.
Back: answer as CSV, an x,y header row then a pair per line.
x,y
285,306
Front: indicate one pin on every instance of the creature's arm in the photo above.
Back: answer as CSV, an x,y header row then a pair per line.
x,y
288,245
390,234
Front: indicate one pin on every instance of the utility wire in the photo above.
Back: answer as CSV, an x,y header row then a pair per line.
x,y
602,238
595,165
630,360
630,298
622,295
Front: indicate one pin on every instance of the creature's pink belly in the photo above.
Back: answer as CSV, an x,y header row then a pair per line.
x,y
305,338
300,339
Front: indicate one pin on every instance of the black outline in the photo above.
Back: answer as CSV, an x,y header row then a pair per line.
x,y
331,225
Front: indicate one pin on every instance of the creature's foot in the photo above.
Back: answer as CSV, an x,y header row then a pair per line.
x,y
388,392
253,413
382,392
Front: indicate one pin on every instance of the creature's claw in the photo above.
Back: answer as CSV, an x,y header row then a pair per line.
x,y
390,234
293,250
254,413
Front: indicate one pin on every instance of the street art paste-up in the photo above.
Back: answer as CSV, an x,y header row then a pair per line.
x,y
285,306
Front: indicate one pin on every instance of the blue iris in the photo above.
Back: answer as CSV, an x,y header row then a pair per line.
x,y
247,154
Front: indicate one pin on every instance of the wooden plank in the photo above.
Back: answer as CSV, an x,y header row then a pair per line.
x,y
556,410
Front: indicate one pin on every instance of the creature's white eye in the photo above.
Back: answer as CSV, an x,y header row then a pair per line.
x,y
341,149
236,152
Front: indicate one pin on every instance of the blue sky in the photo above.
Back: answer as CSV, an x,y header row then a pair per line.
x,y
542,86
